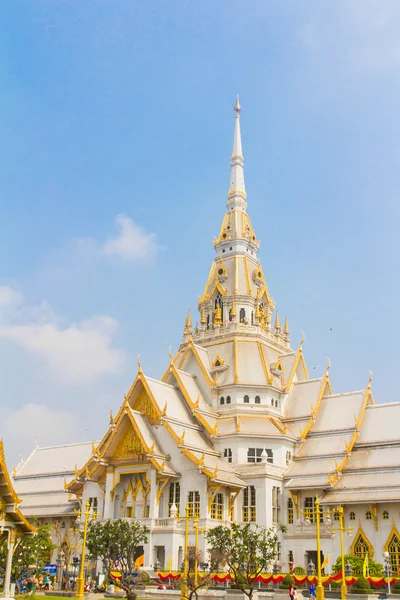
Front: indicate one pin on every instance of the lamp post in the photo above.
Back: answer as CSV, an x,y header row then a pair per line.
x,y
340,511
388,569
186,517
318,514
81,579
196,550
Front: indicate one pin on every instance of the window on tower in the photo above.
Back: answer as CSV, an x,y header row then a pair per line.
x,y
276,504
249,504
242,315
193,504
174,497
246,399
228,454
257,400
290,511
217,507
222,400
228,399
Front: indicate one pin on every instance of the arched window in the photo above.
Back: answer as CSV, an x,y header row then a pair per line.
x,y
394,552
257,400
217,363
230,314
276,403
222,400
208,321
368,515
246,399
385,515
252,317
360,546
272,402
228,399
352,516
242,315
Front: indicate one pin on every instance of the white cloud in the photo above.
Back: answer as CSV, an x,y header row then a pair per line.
x,y
49,426
76,353
9,298
132,243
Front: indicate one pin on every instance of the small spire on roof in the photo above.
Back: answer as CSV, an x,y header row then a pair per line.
x,y
286,327
188,323
139,365
111,418
233,309
203,318
264,456
277,325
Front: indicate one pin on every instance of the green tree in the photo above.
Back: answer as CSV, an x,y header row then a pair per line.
x,y
118,541
31,553
375,569
247,550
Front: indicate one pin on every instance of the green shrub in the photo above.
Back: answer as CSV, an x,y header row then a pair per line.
x,y
361,586
375,569
299,571
286,581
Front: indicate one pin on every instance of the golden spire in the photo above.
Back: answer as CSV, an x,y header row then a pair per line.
x,y
188,323
233,309
286,327
218,314
268,315
203,318
277,325
258,312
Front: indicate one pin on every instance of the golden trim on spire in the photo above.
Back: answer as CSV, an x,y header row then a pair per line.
x,y
277,325
203,318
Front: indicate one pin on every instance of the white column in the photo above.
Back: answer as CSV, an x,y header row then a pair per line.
x,y
7,576
108,512
153,494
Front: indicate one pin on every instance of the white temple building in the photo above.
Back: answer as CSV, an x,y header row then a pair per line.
x,y
235,429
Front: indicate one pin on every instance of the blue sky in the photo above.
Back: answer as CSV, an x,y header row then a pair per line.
x,y
116,133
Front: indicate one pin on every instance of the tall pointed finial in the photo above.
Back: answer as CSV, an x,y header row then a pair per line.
x,y
203,318
111,418
233,309
237,189
277,325
139,365
237,108
188,323
286,327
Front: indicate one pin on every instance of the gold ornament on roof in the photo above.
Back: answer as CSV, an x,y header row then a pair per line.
x,y
188,323
111,418
277,325
267,315
218,314
233,310
286,327
203,318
